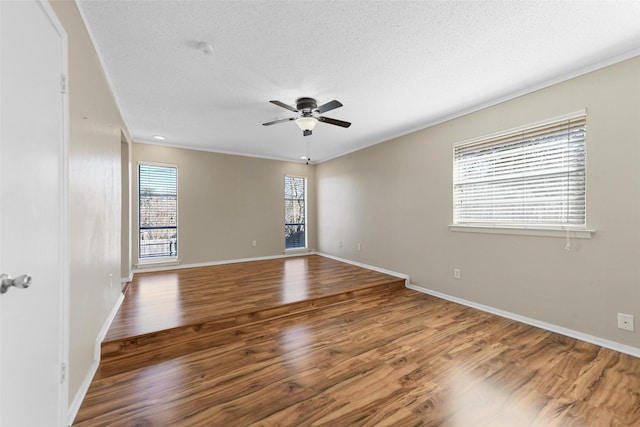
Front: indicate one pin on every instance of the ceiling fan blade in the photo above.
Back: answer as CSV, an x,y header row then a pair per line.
x,y
332,105
278,121
334,122
283,105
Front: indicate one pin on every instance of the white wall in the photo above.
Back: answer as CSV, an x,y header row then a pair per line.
x,y
395,198
94,196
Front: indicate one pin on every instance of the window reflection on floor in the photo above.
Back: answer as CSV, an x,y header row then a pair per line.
x,y
160,294
474,397
295,286
295,346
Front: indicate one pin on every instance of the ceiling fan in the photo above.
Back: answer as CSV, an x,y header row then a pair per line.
x,y
309,114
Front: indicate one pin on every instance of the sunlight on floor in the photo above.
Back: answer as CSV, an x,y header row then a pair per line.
x,y
162,290
477,401
295,284
295,344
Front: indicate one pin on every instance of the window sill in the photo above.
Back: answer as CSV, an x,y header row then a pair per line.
x,y
294,250
157,262
524,231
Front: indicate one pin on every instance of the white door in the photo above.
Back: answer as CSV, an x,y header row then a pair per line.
x,y
33,231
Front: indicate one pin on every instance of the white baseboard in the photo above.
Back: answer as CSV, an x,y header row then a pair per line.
x,y
369,267
612,345
82,392
84,387
222,262
124,280
106,325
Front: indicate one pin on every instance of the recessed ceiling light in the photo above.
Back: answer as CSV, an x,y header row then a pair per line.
x,y
304,158
159,137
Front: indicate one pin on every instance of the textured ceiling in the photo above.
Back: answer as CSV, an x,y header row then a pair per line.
x,y
397,66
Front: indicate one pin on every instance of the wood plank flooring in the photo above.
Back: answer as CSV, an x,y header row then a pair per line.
x,y
164,300
400,358
172,313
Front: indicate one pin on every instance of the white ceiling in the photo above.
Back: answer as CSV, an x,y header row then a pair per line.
x,y
397,66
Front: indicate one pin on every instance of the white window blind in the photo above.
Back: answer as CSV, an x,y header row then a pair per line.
x,y
532,177
158,211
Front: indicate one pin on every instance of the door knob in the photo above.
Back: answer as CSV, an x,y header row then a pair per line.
x,y
21,282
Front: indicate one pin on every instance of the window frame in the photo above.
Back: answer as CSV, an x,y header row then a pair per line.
x,y
523,228
157,259
305,223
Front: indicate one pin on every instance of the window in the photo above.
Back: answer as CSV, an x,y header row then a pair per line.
x,y
158,211
295,212
531,178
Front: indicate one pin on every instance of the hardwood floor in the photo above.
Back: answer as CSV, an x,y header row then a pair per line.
x,y
400,358
163,300
171,313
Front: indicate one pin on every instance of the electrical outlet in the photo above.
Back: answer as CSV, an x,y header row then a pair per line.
x,y
254,243
359,247
340,244
625,321
457,274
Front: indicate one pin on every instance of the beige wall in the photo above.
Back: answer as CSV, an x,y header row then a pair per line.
x,y
94,196
395,198
225,202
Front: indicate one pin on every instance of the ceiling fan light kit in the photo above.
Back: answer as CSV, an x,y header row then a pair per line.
x,y
309,114
306,123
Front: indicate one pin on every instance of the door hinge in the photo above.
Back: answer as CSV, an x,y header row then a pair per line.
x,y
63,373
63,83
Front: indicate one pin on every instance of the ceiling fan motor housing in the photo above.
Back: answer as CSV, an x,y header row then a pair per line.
x,y
306,105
